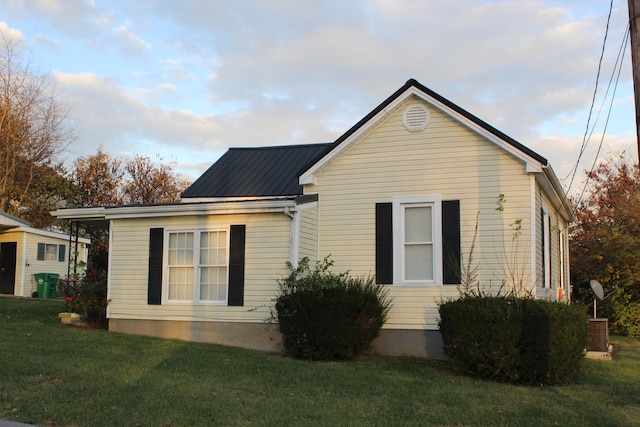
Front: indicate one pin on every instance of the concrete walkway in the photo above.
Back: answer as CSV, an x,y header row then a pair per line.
x,y
9,423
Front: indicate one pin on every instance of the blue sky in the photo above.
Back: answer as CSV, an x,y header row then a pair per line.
x,y
186,80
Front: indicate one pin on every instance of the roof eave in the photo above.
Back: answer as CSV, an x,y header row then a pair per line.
x,y
556,193
184,209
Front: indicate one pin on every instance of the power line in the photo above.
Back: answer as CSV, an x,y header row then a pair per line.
x,y
593,100
619,61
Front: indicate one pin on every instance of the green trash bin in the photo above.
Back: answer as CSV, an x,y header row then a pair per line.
x,y
47,284
52,285
40,280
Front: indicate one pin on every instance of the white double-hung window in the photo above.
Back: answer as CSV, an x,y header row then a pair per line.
x,y
197,266
417,240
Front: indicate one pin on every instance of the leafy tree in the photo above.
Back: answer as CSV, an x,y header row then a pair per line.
x,y
147,182
605,242
32,136
101,180
97,180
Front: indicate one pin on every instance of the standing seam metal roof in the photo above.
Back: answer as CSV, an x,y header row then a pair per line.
x,y
257,171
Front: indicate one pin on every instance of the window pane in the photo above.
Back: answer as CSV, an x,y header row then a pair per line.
x,y
213,248
213,284
417,224
51,252
418,262
180,283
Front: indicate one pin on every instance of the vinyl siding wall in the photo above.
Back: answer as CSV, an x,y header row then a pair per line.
x,y
309,233
557,224
27,253
446,159
266,252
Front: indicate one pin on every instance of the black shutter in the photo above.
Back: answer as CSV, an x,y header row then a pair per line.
x,y
236,265
451,242
40,256
384,243
154,290
62,249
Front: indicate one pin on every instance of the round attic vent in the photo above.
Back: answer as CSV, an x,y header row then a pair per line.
x,y
415,118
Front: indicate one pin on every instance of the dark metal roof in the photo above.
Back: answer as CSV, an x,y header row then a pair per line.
x,y
262,171
414,83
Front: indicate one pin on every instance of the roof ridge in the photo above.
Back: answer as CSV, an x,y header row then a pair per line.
x,y
276,147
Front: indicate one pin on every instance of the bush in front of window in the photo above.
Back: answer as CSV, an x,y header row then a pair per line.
x,y
328,316
86,294
521,341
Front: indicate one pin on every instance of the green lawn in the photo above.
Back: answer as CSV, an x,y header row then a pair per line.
x,y
52,374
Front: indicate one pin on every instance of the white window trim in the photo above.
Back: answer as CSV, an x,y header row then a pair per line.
x,y
399,203
196,266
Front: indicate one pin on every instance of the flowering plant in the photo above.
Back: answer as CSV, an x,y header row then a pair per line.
x,y
86,293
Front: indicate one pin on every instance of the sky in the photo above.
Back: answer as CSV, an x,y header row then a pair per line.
x,y
183,81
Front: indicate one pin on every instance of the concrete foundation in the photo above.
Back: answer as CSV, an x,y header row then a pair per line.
x,y
266,337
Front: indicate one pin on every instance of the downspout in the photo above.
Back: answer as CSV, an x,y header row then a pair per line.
x,y
533,209
109,246
294,232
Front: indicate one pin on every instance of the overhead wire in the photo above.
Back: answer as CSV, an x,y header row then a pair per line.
x,y
618,66
585,140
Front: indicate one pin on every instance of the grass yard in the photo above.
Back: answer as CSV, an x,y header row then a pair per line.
x,y
53,374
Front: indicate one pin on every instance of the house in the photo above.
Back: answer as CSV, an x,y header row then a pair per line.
x,y
27,251
420,193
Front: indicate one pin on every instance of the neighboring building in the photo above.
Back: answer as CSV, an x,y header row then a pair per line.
x,y
409,194
27,251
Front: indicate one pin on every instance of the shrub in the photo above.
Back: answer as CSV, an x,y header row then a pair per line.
x,y
87,295
513,340
328,316
626,316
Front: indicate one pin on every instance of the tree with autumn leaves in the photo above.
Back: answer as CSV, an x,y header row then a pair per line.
x,y
34,136
605,242
101,180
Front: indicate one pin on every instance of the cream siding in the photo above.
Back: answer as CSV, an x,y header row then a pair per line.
x,y
266,251
446,160
309,233
27,264
557,224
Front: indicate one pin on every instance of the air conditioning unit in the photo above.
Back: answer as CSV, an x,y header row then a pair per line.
x,y
598,335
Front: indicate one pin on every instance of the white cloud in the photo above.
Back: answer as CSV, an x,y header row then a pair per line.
x,y
197,76
131,43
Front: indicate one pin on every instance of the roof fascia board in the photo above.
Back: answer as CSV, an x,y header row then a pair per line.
x,y
556,193
52,234
183,209
309,176
532,165
189,200
80,213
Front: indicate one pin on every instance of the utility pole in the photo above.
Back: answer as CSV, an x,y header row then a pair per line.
x,y
634,28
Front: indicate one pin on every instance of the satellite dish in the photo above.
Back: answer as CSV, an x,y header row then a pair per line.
x,y
596,287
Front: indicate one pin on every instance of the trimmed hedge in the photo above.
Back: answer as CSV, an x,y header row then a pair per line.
x,y
523,341
327,316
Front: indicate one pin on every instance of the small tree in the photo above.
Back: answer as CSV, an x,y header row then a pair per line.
x,y
605,242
